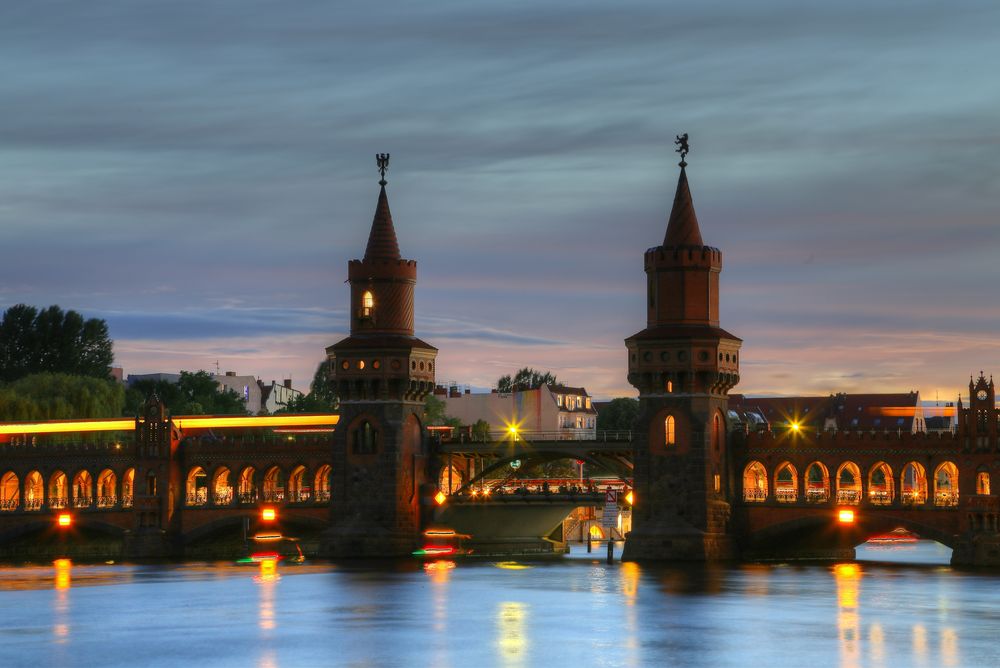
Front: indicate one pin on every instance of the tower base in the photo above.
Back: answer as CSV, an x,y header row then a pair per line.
x,y
352,541
665,543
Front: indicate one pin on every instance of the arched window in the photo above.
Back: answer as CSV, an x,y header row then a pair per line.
x,y
982,482
817,483
786,484
669,431
670,386
913,484
298,485
34,491
274,486
755,482
367,304
849,484
58,490
365,439
450,480
880,488
83,484
150,484
107,495
717,432
128,488
222,488
10,491
321,486
248,485
196,487
946,485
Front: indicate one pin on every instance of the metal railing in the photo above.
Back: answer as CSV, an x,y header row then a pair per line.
x,y
323,496
224,496
849,496
33,504
58,503
755,495
8,505
274,495
198,497
913,497
879,497
817,495
569,433
786,494
82,501
946,499
107,501
300,496
248,497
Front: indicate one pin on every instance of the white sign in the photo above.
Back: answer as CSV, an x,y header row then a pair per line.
x,y
610,519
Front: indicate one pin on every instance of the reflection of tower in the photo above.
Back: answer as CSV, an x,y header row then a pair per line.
x,y
683,365
382,374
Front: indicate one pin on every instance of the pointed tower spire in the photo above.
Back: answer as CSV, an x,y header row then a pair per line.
x,y
682,228
382,242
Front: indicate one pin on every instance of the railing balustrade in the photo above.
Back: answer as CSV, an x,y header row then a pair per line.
x,y
58,503
82,501
107,501
879,497
755,495
322,496
946,499
127,501
817,495
786,495
912,497
300,496
849,496
248,497
224,496
274,495
33,504
8,505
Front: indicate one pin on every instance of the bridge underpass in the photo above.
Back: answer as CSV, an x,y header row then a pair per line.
x,y
514,495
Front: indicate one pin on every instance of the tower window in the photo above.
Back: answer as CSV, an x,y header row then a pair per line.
x,y
670,386
367,304
669,429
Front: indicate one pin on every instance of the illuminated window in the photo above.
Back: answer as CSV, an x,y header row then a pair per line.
x,y
670,386
559,400
670,435
982,483
588,403
367,304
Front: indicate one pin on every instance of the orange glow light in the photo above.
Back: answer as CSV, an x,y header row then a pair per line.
x,y
300,420
268,514
439,532
65,426
845,516
64,519
440,498
629,498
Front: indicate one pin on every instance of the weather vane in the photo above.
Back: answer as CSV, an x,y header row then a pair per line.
x,y
382,160
682,147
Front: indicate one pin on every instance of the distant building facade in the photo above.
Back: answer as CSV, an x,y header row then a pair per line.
x,y
894,412
558,409
276,396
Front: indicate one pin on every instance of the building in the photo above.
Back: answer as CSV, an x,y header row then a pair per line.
x,y
276,396
895,412
246,387
567,412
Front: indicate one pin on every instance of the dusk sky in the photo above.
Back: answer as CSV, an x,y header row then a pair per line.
x,y
199,174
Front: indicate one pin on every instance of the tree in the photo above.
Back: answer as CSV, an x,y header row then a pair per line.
x,y
618,415
434,413
60,396
194,394
525,379
322,397
481,430
53,340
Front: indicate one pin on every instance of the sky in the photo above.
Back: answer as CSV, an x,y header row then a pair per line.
x,y
199,174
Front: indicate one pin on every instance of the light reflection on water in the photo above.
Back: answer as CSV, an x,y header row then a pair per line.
x,y
479,613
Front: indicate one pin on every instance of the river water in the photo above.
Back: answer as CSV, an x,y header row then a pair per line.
x,y
577,611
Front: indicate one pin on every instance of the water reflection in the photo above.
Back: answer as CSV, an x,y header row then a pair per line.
x,y
848,577
63,581
949,647
511,639
919,645
267,579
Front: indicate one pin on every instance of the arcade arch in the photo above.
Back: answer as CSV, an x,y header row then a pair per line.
x,y
107,494
849,484
10,492
755,482
274,486
946,485
128,488
222,489
82,489
321,486
34,491
298,485
880,487
786,483
196,487
913,484
58,490
247,488
817,483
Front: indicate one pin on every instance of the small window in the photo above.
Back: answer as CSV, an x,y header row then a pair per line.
x,y
670,435
367,304
588,403
900,420
559,400
854,422
670,386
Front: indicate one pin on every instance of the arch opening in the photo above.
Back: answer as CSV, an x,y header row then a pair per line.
x,y
107,493
248,485
946,485
880,487
34,491
913,484
786,483
82,490
196,487
849,484
321,486
10,492
755,483
299,489
274,486
58,490
222,489
817,483
128,488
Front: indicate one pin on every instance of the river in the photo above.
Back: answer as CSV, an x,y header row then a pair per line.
x,y
576,611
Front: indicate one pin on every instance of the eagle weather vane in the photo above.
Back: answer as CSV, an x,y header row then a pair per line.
x,y
382,160
682,147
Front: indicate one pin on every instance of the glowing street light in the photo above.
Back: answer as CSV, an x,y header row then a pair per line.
x,y
268,514
440,498
796,427
512,430
845,516
629,497
64,520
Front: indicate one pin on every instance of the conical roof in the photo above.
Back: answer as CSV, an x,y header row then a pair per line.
x,y
682,229
382,242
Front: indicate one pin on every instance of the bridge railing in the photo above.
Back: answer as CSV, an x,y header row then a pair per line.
x,y
590,435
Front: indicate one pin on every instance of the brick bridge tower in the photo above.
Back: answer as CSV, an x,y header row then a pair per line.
x,y
977,424
683,365
382,374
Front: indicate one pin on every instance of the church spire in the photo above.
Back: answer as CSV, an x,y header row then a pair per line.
x,y
382,242
682,228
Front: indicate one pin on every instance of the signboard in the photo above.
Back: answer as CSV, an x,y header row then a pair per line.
x,y
610,519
